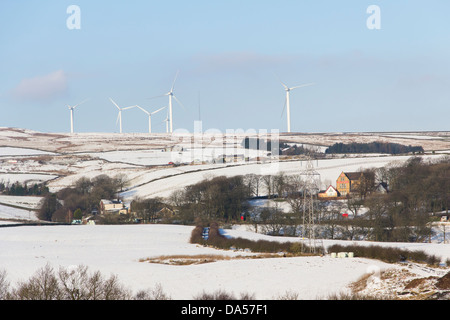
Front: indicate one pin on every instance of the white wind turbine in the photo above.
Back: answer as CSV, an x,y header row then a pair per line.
x,y
166,120
71,108
150,117
171,95
167,123
119,116
287,103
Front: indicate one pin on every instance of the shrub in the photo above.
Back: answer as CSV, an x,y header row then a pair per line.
x,y
78,214
4,285
222,295
216,295
156,293
265,246
390,255
76,284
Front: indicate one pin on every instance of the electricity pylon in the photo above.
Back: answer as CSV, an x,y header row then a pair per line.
x,y
311,180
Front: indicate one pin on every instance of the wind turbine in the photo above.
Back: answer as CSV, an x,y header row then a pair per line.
x,y
71,108
171,95
166,120
287,104
119,116
150,117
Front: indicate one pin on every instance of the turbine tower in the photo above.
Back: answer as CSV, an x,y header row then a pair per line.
x,y
119,116
71,108
166,120
150,117
287,103
171,95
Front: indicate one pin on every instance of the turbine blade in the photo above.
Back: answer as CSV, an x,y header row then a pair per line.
x,y
118,116
130,107
173,84
158,110
161,95
80,103
303,85
284,85
143,110
179,102
114,103
284,108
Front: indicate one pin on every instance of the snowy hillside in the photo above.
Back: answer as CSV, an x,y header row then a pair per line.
x,y
61,159
120,249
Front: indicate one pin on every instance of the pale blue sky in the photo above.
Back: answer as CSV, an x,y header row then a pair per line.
x,y
227,53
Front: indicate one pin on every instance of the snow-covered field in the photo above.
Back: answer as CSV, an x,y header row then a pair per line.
x,y
119,249
61,159
10,151
150,184
10,214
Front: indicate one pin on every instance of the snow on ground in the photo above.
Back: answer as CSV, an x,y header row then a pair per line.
x,y
25,202
91,169
151,184
11,213
118,250
11,151
29,178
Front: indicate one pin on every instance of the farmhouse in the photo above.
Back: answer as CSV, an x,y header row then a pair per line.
x,y
348,182
330,192
113,206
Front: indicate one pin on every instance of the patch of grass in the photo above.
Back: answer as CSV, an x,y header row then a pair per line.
x,y
181,260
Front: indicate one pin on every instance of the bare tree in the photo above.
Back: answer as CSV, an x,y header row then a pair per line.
x,y
331,220
253,181
70,284
4,285
268,181
121,180
43,285
280,184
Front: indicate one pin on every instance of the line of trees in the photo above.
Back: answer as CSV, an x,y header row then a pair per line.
x,y
373,147
416,190
84,196
222,198
226,199
73,284
149,210
23,189
278,148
